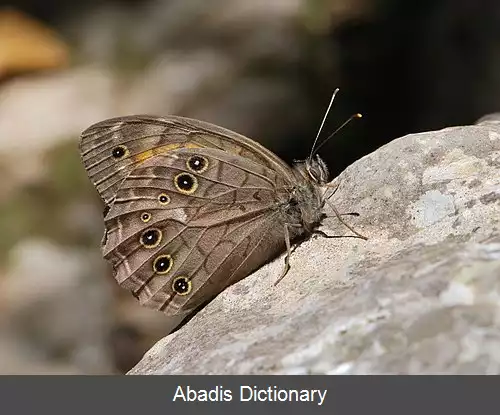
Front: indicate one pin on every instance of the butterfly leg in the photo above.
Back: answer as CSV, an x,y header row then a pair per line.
x,y
339,215
335,187
288,251
325,235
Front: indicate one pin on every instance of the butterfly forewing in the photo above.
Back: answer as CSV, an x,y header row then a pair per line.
x,y
112,148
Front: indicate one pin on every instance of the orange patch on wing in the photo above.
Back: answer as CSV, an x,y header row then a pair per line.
x,y
146,155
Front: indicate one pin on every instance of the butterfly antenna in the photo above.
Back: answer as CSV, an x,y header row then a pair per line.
x,y
323,122
352,117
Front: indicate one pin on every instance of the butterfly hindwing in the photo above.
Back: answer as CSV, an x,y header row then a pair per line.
x,y
187,223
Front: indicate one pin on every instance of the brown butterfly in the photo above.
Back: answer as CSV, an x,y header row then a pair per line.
x,y
192,208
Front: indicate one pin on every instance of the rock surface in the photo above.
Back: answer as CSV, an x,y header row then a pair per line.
x,y
422,295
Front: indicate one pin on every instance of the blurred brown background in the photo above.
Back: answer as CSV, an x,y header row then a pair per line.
x,y
265,68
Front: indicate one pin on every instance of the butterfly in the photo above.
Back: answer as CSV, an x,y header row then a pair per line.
x,y
191,207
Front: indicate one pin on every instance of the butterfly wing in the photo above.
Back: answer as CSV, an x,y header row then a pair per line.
x,y
111,149
187,223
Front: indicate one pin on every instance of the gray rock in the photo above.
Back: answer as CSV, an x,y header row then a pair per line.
x,y
422,295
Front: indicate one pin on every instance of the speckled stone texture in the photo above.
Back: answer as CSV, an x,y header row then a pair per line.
x,y
421,296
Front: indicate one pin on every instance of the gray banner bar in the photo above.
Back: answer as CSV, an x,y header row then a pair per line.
x,y
247,394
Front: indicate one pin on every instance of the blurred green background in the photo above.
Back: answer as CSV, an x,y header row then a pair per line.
x,y
263,68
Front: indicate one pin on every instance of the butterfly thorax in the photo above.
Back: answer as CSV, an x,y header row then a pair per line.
x,y
306,200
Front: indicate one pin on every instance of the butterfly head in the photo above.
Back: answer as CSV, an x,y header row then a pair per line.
x,y
317,170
